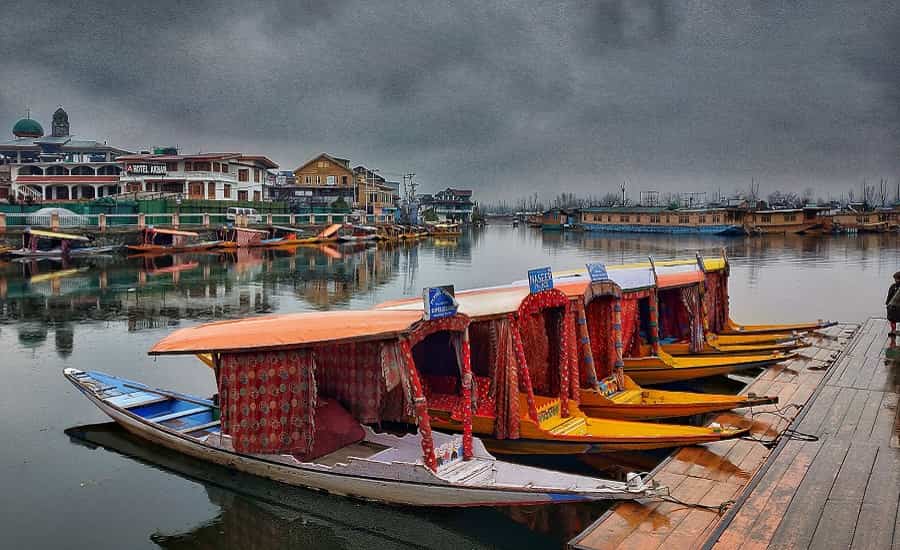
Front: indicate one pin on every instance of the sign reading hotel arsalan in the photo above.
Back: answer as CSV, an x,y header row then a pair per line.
x,y
540,279
148,169
440,302
597,272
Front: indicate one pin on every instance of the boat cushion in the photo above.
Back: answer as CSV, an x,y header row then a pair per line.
x,y
335,428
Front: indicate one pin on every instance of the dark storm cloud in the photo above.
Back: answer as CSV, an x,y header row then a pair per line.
x,y
506,97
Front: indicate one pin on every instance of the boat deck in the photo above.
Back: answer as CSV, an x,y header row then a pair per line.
x,y
839,490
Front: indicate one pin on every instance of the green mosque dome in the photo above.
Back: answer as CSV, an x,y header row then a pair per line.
x,y
28,127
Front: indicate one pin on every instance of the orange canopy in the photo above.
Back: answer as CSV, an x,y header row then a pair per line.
x,y
286,331
175,232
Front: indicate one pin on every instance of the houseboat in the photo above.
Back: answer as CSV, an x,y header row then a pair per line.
x,y
557,219
638,219
783,221
322,384
882,220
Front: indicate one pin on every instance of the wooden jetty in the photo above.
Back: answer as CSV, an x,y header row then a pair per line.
x,y
838,489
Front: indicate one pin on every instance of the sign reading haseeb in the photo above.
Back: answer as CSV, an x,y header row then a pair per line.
x,y
540,279
440,302
597,272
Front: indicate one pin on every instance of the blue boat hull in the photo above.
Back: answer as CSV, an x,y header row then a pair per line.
x,y
669,229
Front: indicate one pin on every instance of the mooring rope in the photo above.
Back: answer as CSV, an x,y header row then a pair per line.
x,y
788,432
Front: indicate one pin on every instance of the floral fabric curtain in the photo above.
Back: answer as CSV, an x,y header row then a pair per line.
x,y
268,401
690,297
352,373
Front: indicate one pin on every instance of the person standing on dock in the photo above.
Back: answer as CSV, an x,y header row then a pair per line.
x,y
893,306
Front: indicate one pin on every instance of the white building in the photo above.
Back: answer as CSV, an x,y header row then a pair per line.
x,y
214,176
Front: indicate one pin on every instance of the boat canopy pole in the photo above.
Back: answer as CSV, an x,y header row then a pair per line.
x,y
424,421
618,344
524,375
585,342
653,308
467,383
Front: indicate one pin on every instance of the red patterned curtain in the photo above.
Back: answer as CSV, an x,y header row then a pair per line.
x,y
506,380
352,373
549,358
268,401
631,342
716,298
674,319
600,330
690,298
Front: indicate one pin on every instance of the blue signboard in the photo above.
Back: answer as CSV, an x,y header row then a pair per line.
x,y
439,301
540,279
597,272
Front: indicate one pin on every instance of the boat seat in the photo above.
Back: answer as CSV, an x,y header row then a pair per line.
x,y
136,399
335,428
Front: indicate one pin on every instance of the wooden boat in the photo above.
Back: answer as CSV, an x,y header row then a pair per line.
x,y
511,347
166,241
282,236
447,229
318,370
358,233
716,271
37,243
240,237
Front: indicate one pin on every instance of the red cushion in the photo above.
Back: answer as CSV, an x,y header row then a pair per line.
x,y
335,428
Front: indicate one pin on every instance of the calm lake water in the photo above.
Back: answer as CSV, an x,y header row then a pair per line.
x,y
71,480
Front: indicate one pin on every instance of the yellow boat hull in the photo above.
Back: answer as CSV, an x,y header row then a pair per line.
x,y
667,368
682,348
735,328
637,403
581,434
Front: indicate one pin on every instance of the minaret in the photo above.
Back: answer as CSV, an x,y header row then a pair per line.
x,y
60,126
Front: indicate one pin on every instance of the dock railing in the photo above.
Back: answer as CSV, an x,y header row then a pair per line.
x,y
103,222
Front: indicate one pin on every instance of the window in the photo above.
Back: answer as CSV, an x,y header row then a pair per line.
x,y
242,195
224,167
188,167
684,219
343,180
717,219
790,217
201,167
216,167
211,190
257,196
331,180
171,167
702,219
654,218
226,191
308,180
318,180
608,218
243,174
322,164
766,218
256,175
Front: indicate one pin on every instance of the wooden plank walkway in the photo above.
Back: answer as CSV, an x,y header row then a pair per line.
x,y
840,490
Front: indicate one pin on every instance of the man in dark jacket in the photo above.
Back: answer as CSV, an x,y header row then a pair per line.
x,y
893,304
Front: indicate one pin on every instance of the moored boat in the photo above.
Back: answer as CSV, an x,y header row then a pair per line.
x,y
240,237
37,243
528,381
166,241
358,233
314,388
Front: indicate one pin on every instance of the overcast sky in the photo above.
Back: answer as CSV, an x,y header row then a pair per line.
x,y
507,98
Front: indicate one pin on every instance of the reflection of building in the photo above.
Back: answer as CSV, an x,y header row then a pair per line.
x,y
58,166
317,184
450,204
214,176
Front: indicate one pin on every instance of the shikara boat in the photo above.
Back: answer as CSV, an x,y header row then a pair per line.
x,y
447,229
296,397
281,236
167,241
358,233
716,272
639,311
240,237
512,348
37,243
